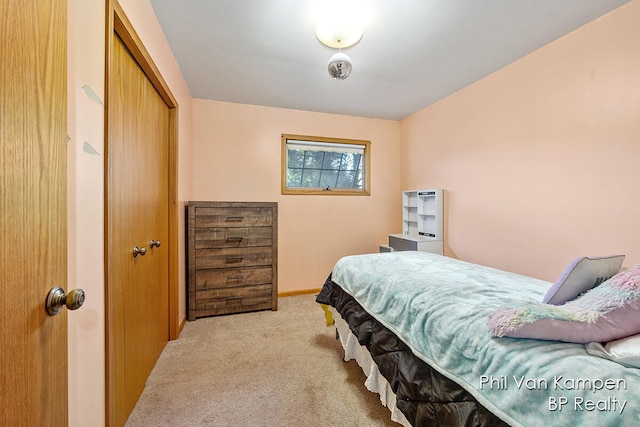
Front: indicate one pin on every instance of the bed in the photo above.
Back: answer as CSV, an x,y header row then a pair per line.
x,y
424,321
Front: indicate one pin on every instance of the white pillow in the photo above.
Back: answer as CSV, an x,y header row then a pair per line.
x,y
625,351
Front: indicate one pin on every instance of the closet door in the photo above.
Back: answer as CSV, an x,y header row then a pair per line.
x,y
137,207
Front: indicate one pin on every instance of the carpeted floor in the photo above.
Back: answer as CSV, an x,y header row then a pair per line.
x,y
281,368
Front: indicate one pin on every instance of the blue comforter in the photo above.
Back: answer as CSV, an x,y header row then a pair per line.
x,y
523,381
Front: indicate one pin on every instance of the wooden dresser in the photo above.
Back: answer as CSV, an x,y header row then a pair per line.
x,y
232,255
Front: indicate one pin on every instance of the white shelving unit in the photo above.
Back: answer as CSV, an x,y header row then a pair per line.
x,y
422,212
410,212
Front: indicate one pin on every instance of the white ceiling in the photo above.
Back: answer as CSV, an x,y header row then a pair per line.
x,y
413,52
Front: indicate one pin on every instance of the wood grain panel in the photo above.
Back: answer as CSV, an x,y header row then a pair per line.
x,y
138,212
229,300
234,217
33,220
233,257
233,237
232,277
140,111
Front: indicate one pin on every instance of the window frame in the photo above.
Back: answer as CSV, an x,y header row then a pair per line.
x,y
366,167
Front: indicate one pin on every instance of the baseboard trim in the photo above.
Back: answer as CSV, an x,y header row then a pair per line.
x,y
300,292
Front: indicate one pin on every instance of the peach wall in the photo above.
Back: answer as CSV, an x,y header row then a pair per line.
x,y
85,75
86,64
237,158
540,159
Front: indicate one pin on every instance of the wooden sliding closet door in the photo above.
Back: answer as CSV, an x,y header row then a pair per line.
x,y
138,212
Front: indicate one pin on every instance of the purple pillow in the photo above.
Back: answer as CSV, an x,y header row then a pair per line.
x,y
605,313
581,275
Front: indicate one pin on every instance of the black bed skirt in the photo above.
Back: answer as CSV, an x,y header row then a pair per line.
x,y
425,397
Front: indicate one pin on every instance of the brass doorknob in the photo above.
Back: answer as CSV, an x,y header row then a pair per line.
x,y
56,299
139,251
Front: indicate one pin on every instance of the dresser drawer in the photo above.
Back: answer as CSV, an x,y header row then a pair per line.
x,y
233,217
233,257
233,237
231,300
232,277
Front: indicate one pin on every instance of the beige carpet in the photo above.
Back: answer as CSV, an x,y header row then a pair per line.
x,y
281,368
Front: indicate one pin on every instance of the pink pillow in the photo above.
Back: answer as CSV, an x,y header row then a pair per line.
x,y
617,324
608,312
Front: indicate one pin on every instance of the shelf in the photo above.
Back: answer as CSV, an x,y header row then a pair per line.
x,y
422,212
410,199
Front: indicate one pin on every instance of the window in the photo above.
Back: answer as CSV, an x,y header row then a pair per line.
x,y
329,166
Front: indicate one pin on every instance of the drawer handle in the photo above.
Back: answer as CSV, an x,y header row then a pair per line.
x,y
235,297
234,218
234,258
235,278
234,239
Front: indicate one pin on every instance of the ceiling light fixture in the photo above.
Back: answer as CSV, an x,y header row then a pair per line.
x,y
339,26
